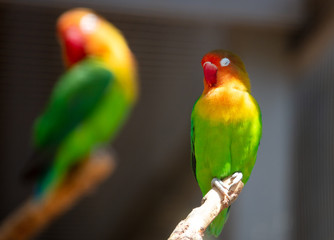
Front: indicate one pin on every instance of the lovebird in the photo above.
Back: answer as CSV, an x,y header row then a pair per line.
x,y
226,125
89,103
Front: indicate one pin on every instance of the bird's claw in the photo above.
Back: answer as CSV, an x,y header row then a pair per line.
x,y
219,184
236,178
226,186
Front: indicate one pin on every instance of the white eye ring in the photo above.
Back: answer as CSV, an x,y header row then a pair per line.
x,y
88,23
224,62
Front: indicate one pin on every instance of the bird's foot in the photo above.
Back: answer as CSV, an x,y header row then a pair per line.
x,y
227,184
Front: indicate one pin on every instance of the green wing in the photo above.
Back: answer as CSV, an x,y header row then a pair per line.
x,y
192,142
74,97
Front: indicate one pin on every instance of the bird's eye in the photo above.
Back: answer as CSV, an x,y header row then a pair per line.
x,y
224,62
88,23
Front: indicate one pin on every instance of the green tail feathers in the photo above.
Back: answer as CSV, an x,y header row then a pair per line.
x,y
217,225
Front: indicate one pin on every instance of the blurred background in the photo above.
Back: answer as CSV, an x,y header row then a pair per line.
x,y
287,47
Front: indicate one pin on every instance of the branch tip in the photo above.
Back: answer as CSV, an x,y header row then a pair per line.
x,y
220,197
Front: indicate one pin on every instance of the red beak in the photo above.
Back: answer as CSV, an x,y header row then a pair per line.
x,y
74,45
210,73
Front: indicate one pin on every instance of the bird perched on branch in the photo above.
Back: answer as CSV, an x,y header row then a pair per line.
x,y
91,100
225,125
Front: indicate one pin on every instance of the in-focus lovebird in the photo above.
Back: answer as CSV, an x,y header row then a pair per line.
x,y
226,125
89,103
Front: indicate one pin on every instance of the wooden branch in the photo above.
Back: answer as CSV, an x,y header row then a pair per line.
x,y
34,215
194,226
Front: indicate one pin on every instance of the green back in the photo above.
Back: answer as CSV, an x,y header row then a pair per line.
x,y
99,126
74,98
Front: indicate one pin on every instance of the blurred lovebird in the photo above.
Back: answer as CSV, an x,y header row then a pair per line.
x,y
89,103
226,125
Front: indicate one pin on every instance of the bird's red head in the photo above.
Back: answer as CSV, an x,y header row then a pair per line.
x,y
220,66
72,28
